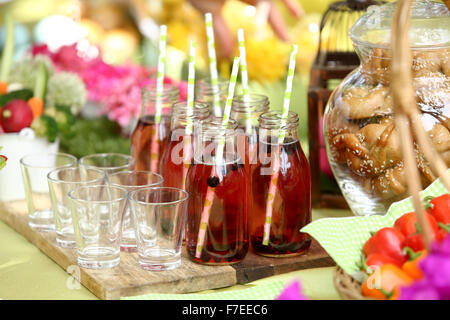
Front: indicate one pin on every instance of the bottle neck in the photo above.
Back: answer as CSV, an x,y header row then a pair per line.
x,y
216,143
182,115
205,90
272,127
247,111
170,95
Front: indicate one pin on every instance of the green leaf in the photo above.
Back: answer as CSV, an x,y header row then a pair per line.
x,y
23,94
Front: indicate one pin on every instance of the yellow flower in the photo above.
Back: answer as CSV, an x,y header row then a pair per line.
x,y
266,59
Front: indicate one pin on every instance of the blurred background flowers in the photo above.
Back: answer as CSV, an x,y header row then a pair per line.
x,y
112,46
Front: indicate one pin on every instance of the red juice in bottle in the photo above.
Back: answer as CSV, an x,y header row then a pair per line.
x,y
179,154
142,138
291,206
150,135
222,187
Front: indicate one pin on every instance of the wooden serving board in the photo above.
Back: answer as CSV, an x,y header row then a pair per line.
x,y
128,279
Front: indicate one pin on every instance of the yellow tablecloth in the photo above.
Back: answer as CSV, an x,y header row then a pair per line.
x,y
27,273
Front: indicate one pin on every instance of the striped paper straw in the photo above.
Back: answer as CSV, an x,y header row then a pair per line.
x,y
154,146
190,111
160,74
191,88
276,168
212,63
207,205
244,79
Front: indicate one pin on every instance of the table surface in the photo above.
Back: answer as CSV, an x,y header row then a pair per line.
x,y
27,273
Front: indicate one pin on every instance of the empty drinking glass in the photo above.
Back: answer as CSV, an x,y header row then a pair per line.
x,y
96,214
159,215
35,168
108,162
132,180
61,182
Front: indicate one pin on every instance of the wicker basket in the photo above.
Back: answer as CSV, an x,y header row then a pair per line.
x,y
347,287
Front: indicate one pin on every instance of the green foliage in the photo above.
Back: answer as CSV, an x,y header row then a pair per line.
x,y
23,94
45,126
94,136
28,70
64,118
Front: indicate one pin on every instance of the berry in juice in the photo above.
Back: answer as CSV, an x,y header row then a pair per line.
x,y
226,240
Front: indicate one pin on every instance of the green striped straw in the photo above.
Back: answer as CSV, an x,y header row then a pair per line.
x,y
212,63
219,159
154,146
160,74
288,92
191,88
281,135
244,79
228,103
190,111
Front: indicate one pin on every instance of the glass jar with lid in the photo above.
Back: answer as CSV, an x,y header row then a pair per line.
x,y
363,146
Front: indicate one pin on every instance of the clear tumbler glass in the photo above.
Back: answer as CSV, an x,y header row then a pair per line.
x,y
61,182
159,215
132,180
35,168
108,162
96,214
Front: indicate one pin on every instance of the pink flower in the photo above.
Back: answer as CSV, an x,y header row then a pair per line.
x,y
292,292
435,284
117,89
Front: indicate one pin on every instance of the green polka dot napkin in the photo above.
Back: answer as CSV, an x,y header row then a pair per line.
x,y
343,238
266,291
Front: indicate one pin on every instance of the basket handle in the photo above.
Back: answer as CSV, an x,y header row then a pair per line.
x,y
407,115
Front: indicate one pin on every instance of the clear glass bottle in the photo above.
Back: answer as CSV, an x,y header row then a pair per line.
x,y
281,190
205,92
179,154
216,229
363,146
146,131
246,114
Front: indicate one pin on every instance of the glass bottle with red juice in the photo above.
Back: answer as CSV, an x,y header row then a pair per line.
x,y
284,208
217,219
179,154
150,135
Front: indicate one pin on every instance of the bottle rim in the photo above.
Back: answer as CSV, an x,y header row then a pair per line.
x,y
205,86
256,103
273,120
201,109
214,129
170,91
